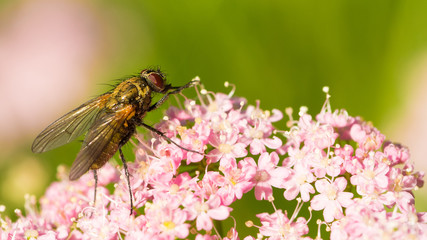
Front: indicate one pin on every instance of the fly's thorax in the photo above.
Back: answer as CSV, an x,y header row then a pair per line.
x,y
133,91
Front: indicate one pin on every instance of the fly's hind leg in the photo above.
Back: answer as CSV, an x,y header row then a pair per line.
x,y
125,166
167,139
95,176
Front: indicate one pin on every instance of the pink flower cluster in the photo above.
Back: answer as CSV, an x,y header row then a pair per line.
x,y
335,163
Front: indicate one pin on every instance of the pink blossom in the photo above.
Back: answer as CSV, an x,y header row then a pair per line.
x,y
371,178
227,149
167,220
368,137
396,153
258,140
400,187
277,226
337,119
237,180
299,182
171,155
268,175
257,133
204,212
316,135
331,198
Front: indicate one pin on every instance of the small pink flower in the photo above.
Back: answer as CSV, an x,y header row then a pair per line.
x,y
257,133
316,136
371,178
337,119
204,212
396,153
221,103
368,137
400,188
170,153
268,175
259,139
299,181
237,180
277,226
227,148
166,220
331,198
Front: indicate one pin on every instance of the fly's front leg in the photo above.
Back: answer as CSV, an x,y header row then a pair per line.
x,y
175,91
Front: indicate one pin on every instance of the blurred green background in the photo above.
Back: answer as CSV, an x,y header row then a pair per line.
x,y
56,54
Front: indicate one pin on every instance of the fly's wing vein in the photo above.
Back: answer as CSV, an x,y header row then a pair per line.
x,y
68,127
104,134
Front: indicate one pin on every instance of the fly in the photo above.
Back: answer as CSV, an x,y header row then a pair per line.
x,y
110,120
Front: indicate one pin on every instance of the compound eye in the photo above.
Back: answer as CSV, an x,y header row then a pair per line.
x,y
154,79
157,80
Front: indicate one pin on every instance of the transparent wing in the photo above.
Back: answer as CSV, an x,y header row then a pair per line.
x,y
68,127
102,141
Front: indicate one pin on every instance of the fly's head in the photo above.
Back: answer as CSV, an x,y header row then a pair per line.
x,y
156,80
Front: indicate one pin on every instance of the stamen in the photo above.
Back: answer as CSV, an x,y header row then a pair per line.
x,y
325,89
18,213
216,232
242,103
310,210
289,111
297,209
227,84
327,104
30,204
319,223
190,106
290,122
249,224
199,94
303,110
193,231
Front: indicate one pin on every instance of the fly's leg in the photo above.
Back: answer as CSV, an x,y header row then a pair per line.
x,y
95,176
175,91
168,139
125,166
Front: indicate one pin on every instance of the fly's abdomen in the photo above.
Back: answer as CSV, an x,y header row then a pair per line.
x,y
108,152
123,129
108,133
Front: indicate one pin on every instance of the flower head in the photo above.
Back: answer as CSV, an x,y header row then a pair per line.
x,y
333,163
